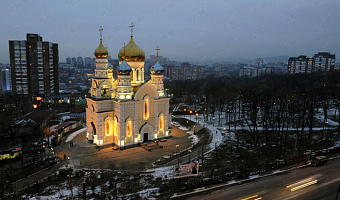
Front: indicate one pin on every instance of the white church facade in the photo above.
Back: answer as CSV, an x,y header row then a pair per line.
x,y
126,111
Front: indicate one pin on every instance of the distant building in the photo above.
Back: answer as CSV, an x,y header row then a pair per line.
x,y
34,66
88,62
74,61
321,62
252,72
185,71
324,61
68,60
259,62
248,72
80,62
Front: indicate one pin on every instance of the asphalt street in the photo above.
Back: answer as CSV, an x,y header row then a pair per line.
x,y
274,187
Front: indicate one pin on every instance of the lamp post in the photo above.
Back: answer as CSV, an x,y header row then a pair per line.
x,y
217,140
213,120
189,154
197,118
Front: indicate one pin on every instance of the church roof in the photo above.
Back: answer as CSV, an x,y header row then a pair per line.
x,y
157,68
124,66
132,52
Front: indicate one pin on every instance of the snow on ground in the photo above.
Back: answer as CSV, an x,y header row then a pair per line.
x,y
74,134
216,134
162,172
145,193
57,192
193,136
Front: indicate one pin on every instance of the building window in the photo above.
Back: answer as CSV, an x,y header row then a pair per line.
x,y
115,127
161,122
108,126
146,108
129,128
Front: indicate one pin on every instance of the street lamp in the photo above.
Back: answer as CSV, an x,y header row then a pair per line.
x,y
189,154
197,118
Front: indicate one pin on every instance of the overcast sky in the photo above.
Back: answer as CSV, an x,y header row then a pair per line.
x,y
185,30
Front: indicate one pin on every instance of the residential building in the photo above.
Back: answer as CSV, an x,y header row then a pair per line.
x,y
34,66
321,62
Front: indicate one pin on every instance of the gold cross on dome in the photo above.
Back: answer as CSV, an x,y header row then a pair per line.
x,y
101,30
131,26
158,49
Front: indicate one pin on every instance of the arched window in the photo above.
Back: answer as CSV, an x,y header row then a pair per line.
x,y
146,108
129,128
161,122
105,91
137,75
115,127
108,126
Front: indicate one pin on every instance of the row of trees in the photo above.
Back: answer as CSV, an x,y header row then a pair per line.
x,y
278,104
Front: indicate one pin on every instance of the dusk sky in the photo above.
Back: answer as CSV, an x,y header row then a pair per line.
x,y
194,31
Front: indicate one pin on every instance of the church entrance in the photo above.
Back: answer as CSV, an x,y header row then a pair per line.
x,y
146,137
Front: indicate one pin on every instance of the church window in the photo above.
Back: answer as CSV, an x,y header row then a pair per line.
x,y
115,127
129,128
161,122
137,75
146,108
108,126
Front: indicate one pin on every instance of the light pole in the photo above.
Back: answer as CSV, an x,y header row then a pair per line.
x,y
189,154
217,140
213,120
197,118
177,145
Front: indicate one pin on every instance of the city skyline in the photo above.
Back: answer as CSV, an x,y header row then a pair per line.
x,y
200,33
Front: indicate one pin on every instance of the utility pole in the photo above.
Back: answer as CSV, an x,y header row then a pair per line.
x,y
202,164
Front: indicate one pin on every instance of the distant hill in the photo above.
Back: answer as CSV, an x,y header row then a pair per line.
x,y
235,60
283,59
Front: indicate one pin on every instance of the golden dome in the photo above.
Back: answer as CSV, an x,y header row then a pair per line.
x,y
101,51
132,52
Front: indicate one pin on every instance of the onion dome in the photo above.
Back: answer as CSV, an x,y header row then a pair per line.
x,y
132,52
101,51
124,68
157,69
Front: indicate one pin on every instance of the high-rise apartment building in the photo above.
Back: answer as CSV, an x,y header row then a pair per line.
x,y
34,66
88,61
321,62
80,62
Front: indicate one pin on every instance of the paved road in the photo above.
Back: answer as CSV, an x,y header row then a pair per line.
x,y
274,187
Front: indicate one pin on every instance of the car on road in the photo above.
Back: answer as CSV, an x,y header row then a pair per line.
x,y
319,160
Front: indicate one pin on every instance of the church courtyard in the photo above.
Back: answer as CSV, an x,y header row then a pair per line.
x,y
135,158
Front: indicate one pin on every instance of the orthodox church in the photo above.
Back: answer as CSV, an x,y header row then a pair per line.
x,y
126,111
